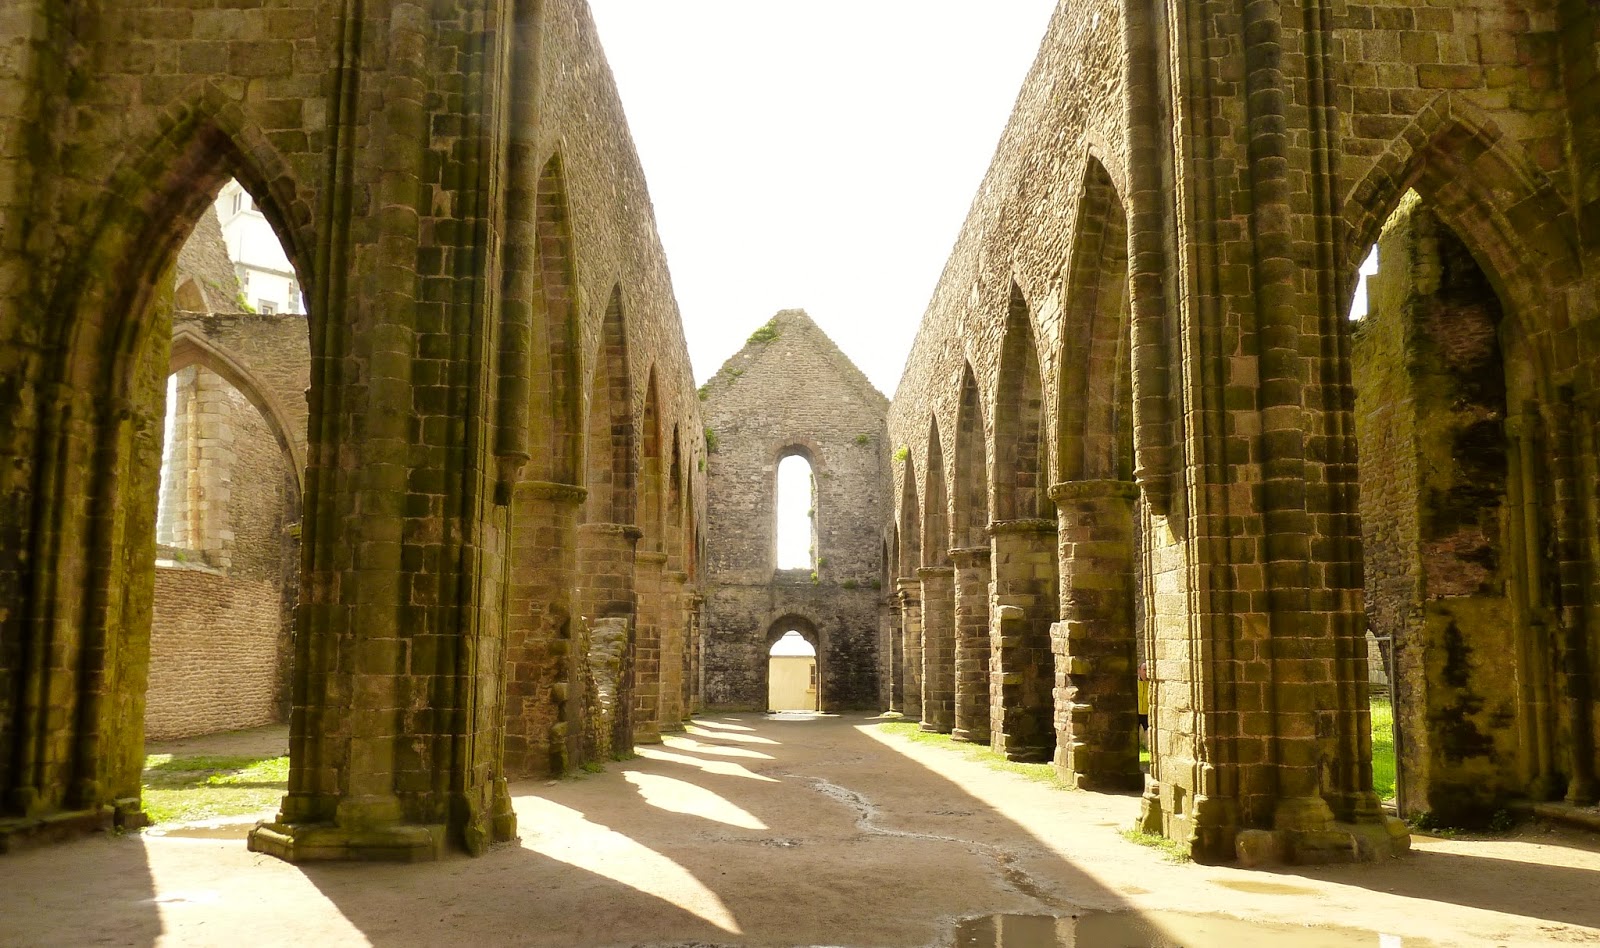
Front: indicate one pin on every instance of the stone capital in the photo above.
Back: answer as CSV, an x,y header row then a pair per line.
x,y
650,558
625,530
1031,525
1093,490
926,573
971,557
559,493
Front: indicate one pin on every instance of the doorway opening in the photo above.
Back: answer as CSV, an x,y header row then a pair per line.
x,y
792,679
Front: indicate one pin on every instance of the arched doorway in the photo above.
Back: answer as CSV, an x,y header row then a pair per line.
x,y
792,683
795,671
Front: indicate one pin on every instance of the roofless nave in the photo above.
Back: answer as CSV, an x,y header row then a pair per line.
x,y
1136,424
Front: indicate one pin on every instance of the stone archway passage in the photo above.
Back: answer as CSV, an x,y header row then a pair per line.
x,y
792,680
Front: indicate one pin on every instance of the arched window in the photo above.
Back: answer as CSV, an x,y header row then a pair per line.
x,y
797,513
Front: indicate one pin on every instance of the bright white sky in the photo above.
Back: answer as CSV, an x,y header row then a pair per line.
x,y
818,154
795,494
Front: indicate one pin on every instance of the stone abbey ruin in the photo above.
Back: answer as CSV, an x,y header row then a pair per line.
x,y
470,520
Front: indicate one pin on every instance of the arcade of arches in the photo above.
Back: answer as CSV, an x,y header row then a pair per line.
x,y
493,531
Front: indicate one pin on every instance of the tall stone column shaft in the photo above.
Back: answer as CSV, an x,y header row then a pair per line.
x,y
649,589
674,651
694,684
911,645
897,659
938,649
1096,693
1022,669
541,663
971,620
606,595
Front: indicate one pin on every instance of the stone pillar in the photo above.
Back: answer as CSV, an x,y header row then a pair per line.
x,y
897,659
972,644
650,607
938,649
910,645
1096,694
1022,673
695,658
541,663
605,600
674,651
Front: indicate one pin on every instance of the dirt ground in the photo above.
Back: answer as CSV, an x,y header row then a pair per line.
x,y
796,830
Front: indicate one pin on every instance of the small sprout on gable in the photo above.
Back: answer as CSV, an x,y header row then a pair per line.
x,y
849,584
822,561
901,453
766,333
814,579
863,440
704,391
711,441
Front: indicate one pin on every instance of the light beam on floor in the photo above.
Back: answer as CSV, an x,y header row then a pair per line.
x,y
681,796
565,835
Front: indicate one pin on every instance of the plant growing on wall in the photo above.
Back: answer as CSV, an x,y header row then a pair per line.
x,y
711,441
767,333
901,453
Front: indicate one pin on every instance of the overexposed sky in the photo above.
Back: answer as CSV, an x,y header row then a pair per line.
x,y
818,155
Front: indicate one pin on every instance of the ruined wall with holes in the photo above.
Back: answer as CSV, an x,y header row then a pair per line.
x,y
790,390
1443,580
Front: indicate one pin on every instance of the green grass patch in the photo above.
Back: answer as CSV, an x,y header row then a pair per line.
x,y
1383,759
912,731
1174,850
183,789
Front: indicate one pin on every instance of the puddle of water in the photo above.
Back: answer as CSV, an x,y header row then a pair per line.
x,y
225,831
1263,888
1160,930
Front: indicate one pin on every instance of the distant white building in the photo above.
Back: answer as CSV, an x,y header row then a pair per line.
x,y
265,277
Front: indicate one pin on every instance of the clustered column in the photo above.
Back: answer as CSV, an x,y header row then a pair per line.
x,y
1022,674
938,649
911,645
971,621
1096,696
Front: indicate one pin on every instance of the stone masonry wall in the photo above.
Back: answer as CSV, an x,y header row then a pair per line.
x,y
790,390
218,637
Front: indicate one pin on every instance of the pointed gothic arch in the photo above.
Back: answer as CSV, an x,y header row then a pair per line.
x,y
1021,470
611,463
936,508
1095,397
971,493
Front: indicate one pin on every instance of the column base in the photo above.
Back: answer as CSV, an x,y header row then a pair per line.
x,y
933,727
369,828
324,842
1304,833
970,736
